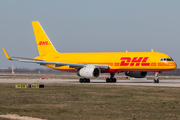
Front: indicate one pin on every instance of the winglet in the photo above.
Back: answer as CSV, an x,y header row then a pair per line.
x,y
152,50
7,56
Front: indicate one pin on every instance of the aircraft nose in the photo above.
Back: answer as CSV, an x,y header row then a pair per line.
x,y
175,66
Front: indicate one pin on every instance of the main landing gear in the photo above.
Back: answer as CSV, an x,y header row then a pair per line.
x,y
156,79
108,80
111,79
84,80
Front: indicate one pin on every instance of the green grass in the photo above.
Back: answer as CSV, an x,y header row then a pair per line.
x,y
86,101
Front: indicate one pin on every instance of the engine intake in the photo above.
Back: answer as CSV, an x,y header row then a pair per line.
x,y
136,74
89,71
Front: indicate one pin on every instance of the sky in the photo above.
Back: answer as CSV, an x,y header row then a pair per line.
x,y
90,26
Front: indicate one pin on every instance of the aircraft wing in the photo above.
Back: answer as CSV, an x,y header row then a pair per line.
x,y
59,64
56,64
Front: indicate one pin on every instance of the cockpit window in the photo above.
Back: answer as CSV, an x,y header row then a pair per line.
x,y
167,59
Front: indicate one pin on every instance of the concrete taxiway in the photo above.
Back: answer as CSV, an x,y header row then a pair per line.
x,y
167,83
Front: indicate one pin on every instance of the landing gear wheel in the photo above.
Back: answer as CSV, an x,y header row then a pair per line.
x,y
85,80
107,80
111,80
80,80
155,81
114,80
88,80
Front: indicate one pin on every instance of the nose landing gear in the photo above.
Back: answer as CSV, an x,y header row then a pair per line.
x,y
156,79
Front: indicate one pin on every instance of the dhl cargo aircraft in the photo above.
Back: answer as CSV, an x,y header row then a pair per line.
x,y
90,65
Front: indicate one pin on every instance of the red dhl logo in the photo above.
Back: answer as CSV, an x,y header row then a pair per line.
x,y
44,43
134,61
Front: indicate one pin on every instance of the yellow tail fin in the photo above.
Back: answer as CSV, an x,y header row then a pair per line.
x,y
45,47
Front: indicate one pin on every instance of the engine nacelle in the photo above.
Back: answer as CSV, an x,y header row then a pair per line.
x,y
89,71
136,74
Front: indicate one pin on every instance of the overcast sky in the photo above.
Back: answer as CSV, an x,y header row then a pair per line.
x,y
90,26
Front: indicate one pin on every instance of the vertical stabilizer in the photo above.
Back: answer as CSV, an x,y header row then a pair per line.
x,y
45,47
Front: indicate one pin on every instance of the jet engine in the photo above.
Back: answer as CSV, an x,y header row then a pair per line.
x,y
136,74
89,71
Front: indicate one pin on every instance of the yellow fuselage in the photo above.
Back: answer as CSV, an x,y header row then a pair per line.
x,y
118,61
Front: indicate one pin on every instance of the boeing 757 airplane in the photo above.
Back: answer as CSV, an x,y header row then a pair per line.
x,y
91,65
